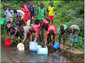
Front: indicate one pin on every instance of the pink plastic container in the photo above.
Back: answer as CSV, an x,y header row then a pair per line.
x,y
8,41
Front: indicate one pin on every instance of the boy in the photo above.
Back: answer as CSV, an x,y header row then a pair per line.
x,y
73,30
32,12
28,4
34,29
62,33
27,14
9,14
24,31
51,31
20,15
41,12
51,13
43,25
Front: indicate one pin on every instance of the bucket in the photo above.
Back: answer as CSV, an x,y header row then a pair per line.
x,y
56,45
20,47
17,22
76,39
42,50
33,46
8,41
36,21
2,21
38,46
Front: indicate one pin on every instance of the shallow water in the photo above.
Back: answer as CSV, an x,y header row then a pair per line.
x,y
12,55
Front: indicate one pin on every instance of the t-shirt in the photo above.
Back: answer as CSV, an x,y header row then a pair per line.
x,y
20,13
51,27
28,6
51,11
9,14
45,22
41,13
25,32
27,13
36,27
32,11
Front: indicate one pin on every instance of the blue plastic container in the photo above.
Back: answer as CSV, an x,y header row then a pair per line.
x,y
33,46
56,45
17,22
76,39
43,51
36,21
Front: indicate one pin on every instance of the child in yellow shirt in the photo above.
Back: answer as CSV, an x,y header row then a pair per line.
x,y
51,13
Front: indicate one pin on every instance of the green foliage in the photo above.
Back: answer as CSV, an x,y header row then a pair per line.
x,y
67,12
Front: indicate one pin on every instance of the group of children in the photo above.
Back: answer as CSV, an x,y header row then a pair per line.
x,y
26,15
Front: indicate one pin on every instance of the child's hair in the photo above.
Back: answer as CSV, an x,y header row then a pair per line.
x,y
51,32
46,28
61,27
68,29
5,7
15,10
31,30
41,4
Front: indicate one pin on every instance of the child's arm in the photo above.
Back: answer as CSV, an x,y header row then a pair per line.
x,y
45,42
36,36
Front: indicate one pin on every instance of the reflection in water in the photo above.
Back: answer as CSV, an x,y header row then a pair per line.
x,y
12,55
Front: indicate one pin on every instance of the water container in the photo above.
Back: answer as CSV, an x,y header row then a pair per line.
x,y
38,46
17,22
33,46
20,47
36,21
56,45
42,50
2,21
76,39
8,41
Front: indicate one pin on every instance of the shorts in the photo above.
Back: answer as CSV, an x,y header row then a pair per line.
x,y
51,17
28,23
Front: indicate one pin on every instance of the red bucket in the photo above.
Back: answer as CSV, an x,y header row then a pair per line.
x,y
8,41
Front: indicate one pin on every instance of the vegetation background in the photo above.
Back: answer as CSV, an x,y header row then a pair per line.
x,y
67,12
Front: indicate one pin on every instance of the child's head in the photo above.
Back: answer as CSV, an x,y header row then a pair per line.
x,y
69,30
28,2
31,30
5,7
61,27
41,5
41,22
51,32
22,4
15,11
31,4
52,4
9,7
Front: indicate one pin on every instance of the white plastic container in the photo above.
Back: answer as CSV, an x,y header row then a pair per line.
x,y
42,50
38,46
33,46
20,47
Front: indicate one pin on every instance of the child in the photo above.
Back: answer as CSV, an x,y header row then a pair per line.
x,y
43,25
27,14
51,31
8,26
5,8
41,12
24,31
34,29
51,13
9,14
62,33
28,4
73,30
20,15
32,12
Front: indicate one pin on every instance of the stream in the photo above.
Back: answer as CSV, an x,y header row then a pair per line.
x,y
12,55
